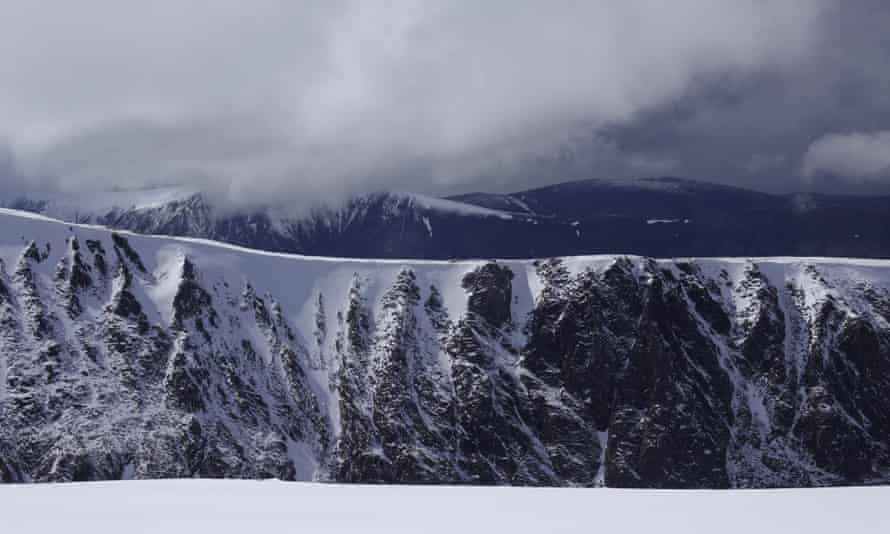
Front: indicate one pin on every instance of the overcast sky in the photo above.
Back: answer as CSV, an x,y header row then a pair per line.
x,y
299,101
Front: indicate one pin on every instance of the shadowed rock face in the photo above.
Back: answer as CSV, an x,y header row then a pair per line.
x,y
490,293
625,372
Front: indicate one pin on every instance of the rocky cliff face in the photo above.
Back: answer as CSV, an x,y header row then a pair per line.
x,y
124,356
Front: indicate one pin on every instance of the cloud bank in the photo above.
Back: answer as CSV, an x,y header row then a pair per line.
x,y
302,101
862,156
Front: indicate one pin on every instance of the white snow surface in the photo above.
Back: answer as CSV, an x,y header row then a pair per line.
x,y
667,221
450,206
302,276
230,506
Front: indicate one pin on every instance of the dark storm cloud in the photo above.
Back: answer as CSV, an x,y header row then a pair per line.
x,y
307,100
764,131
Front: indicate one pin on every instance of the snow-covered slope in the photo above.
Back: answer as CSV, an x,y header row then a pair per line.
x,y
222,507
574,218
92,206
375,225
129,356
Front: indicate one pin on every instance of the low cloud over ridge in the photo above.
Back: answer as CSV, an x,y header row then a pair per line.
x,y
275,100
863,156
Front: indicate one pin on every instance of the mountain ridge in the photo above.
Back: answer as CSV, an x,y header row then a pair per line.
x,y
129,356
651,217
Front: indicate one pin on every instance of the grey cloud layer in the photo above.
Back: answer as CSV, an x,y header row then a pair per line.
x,y
308,100
863,156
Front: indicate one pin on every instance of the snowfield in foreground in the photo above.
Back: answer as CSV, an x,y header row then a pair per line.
x,y
173,506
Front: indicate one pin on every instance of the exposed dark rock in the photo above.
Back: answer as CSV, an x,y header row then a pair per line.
x,y
95,246
358,455
651,442
183,385
412,412
490,293
9,472
192,301
123,245
32,253
622,372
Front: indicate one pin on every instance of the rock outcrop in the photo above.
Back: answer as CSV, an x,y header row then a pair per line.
x,y
130,357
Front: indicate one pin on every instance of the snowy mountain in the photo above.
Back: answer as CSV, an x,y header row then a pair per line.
x,y
377,225
129,356
665,217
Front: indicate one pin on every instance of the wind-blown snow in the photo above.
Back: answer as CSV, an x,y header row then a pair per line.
x,y
68,206
222,507
450,206
667,221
